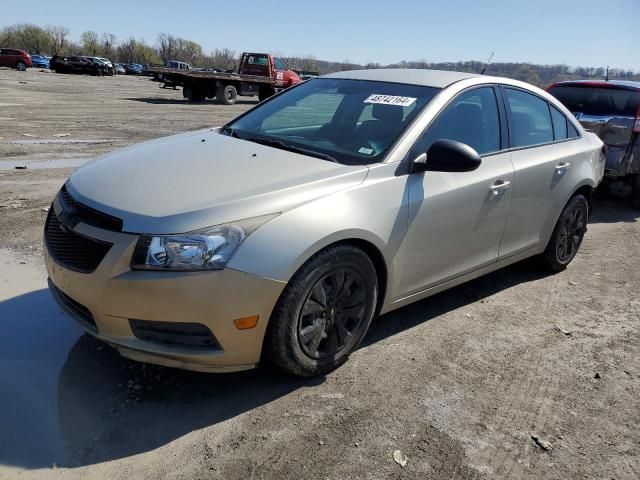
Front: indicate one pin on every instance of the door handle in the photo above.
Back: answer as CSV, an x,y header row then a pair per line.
x,y
562,167
500,186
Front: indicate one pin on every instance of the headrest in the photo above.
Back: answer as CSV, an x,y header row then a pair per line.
x,y
387,113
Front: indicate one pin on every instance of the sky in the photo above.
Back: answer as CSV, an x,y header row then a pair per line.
x,y
577,33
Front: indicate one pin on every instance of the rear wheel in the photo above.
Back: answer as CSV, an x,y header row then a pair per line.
x,y
226,95
567,235
323,313
193,94
21,66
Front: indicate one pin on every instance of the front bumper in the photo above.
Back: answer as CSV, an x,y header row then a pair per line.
x,y
113,295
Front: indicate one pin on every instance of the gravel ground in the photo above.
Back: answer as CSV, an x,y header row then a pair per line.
x,y
518,374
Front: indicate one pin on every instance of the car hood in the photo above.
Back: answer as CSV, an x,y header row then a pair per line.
x,y
194,180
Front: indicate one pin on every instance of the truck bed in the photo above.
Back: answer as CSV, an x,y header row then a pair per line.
x,y
177,74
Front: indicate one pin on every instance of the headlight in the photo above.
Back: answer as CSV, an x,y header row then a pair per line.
x,y
207,249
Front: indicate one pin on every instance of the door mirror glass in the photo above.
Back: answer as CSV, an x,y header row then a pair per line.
x,y
447,156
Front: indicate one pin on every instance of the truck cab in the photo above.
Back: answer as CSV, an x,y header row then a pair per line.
x,y
266,65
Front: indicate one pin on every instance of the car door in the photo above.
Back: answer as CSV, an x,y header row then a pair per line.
x,y
280,70
456,220
545,163
4,58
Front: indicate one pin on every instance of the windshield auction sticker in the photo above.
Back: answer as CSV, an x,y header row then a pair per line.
x,y
390,100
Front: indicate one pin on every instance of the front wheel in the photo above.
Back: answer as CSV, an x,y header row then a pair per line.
x,y
567,235
21,66
323,313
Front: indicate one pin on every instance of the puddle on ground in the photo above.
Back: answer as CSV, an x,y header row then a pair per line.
x,y
42,164
35,340
63,141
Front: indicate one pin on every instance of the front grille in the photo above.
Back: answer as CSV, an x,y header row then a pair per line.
x,y
73,251
78,311
174,334
88,215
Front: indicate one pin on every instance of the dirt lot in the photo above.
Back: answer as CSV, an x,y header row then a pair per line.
x,y
462,383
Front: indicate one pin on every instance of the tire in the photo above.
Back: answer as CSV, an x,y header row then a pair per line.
x,y
193,94
226,95
567,235
265,93
323,313
635,195
21,66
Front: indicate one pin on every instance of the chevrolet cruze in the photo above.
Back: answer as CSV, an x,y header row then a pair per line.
x,y
283,234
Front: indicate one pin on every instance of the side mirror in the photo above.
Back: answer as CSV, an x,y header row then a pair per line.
x,y
447,156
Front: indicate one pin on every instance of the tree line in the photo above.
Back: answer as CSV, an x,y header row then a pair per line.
x,y
52,40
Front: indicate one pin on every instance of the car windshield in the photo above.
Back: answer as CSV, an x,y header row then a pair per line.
x,y
348,121
597,100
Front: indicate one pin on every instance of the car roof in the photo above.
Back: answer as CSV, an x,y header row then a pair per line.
x,y
413,76
626,84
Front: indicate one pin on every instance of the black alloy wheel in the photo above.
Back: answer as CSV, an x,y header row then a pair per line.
x,y
324,312
567,235
572,230
332,314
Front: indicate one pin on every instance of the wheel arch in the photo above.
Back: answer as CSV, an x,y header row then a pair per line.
x,y
587,190
376,257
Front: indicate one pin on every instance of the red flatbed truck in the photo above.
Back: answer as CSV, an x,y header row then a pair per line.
x,y
258,74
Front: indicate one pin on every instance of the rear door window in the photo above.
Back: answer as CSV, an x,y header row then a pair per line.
x,y
597,101
530,119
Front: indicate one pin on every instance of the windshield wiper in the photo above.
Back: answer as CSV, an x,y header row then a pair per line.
x,y
291,148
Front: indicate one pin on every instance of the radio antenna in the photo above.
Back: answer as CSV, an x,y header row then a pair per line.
x,y
487,64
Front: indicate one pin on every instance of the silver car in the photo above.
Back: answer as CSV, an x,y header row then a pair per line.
x,y
284,233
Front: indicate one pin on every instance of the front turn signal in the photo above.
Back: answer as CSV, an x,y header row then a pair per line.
x,y
246,323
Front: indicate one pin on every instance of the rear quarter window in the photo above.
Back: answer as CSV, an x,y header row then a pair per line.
x,y
560,124
598,101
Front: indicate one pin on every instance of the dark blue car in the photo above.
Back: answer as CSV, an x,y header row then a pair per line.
x,y
133,69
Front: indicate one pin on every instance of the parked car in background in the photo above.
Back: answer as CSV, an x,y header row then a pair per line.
x,y
282,234
610,109
133,69
108,63
307,74
120,70
78,64
15,58
179,65
39,61
109,66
